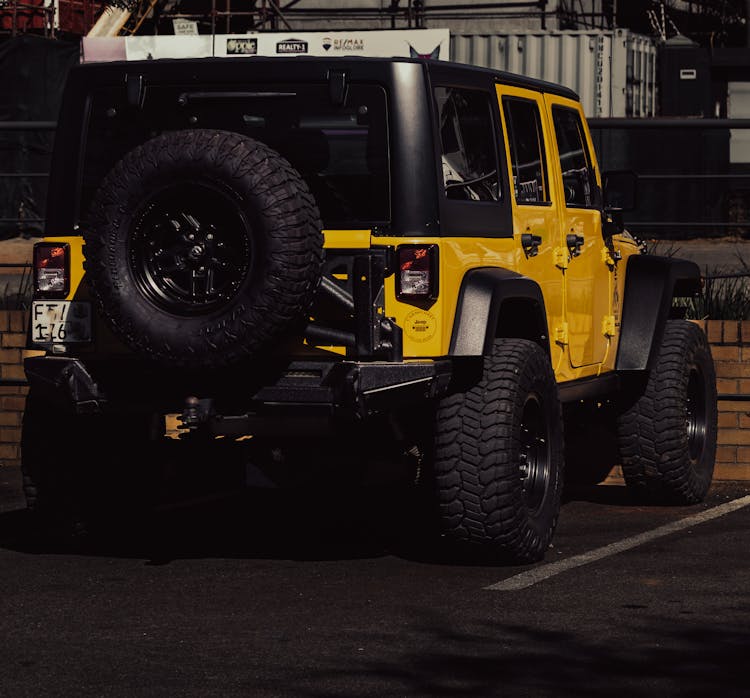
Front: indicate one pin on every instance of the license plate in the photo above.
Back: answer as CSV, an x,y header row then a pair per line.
x,y
60,322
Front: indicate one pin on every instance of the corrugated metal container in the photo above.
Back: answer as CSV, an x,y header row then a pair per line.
x,y
614,72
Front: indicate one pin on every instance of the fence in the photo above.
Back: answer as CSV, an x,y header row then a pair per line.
x,y
19,197
688,185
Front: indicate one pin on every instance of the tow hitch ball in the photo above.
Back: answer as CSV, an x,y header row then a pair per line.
x,y
195,413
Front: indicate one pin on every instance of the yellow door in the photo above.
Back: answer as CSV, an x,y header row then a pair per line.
x,y
536,209
588,274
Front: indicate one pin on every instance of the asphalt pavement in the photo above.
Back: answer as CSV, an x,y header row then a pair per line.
x,y
284,594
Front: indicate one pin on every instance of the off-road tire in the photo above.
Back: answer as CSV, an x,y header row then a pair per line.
x,y
82,472
667,438
246,276
498,465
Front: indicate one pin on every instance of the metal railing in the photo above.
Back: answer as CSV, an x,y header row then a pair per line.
x,y
601,127
11,126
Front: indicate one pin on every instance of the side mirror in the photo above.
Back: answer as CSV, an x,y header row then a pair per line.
x,y
620,190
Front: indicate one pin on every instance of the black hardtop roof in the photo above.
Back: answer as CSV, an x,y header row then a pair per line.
x,y
169,65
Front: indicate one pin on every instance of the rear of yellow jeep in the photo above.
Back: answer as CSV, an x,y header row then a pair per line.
x,y
406,257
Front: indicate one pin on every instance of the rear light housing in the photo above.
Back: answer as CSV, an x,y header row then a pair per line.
x,y
51,269
417,278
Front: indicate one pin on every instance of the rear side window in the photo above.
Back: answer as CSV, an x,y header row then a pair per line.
x,y
575,163
467,138
527,152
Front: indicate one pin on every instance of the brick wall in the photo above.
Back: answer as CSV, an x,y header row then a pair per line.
x,y
12,398
730,345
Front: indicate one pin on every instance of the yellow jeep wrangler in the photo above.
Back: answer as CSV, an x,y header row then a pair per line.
x,y
388,254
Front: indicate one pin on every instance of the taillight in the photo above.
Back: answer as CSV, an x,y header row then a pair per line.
x,y
417,272
51,269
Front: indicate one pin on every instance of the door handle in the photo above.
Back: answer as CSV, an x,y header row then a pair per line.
x,y
574,243
530,244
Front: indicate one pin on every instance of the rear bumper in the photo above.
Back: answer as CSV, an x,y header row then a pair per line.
x,y
357,389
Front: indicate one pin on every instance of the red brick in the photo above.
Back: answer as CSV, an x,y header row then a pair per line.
x,y
732,369
10,356
744,419
10,435
18,320
4,321
743,455
725,353
14,403
13,340
8,451
727,454
744,386
713,331
726,471
745,353
11,371
729,386
729,437
724,405
745,329
731,332
10,419
731,420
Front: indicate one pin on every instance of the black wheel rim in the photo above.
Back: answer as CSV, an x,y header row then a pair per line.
x,y
190,248
695,414
535,463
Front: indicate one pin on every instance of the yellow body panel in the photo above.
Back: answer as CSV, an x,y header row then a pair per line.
x,y
346,239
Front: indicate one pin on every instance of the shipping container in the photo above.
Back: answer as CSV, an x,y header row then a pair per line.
x,y
614,72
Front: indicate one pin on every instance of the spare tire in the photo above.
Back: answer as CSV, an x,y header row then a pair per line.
x,y
203,247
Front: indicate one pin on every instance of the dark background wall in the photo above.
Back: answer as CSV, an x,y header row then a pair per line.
x,y
32,75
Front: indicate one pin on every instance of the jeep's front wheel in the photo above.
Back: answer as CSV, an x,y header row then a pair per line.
x,y
667,437
499,457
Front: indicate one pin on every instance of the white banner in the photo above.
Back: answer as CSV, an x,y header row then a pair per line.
x,y
414,43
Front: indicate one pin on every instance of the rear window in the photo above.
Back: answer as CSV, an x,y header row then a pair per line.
x,y
341,151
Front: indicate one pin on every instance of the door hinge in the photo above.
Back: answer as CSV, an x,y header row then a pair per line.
x,y
561,333
562,257
607,258
608,326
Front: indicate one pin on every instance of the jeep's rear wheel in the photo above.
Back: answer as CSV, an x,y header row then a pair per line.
x,y
667,438
499,457
203,247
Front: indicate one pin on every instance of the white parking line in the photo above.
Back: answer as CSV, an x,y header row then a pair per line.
x,y
539,574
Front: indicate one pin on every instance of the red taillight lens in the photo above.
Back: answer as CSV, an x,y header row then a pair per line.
x,y
417,272
51,269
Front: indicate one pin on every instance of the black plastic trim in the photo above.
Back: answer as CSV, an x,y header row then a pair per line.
x,y
483,292
651,283
588,388
472,218
356,389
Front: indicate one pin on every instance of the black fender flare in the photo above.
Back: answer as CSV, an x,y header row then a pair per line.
x,y
651,282
487,295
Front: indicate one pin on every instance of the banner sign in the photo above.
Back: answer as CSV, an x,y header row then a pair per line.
x,y
409,43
